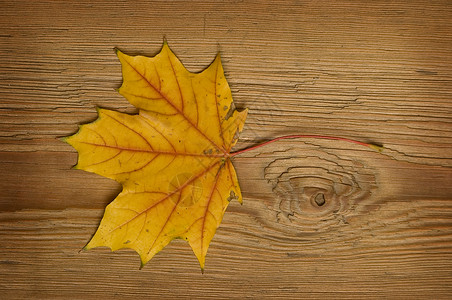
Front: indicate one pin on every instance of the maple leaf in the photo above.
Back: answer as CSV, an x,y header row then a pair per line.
x,y
172,158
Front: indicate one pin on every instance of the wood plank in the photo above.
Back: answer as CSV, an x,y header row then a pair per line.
x,y
320,218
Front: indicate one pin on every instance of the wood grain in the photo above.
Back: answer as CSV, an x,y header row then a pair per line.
x,y
320,219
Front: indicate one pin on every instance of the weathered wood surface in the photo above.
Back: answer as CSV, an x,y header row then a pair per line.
x,y
377,71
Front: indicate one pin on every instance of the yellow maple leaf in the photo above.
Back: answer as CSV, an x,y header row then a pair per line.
x,y
172,158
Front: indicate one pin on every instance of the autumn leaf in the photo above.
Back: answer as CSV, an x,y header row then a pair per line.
x,y
172,158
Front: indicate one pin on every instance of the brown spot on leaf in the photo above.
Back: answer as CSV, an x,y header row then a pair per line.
x,y
232,196
230,112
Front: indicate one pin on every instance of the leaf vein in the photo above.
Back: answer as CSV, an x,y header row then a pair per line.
x,y
153,151
209,201
159,132
216,105
178,110
167,196
133,130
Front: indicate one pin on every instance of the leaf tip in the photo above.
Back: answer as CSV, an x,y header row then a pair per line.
x,y
165,46
117,51
64,139
100,112
202,262
143,260
70,139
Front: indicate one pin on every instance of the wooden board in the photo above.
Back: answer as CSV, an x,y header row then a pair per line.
x,y
375,71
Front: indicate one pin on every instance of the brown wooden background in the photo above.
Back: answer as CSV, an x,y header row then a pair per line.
x,y
376,71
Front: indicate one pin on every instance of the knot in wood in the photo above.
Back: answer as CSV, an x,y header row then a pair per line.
x,y
317,190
